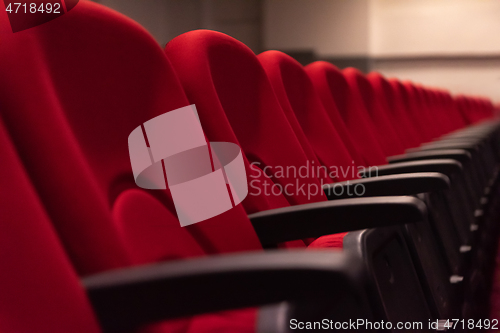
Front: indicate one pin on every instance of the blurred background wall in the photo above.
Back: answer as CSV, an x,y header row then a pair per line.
x,y
166,19
335,30
447,43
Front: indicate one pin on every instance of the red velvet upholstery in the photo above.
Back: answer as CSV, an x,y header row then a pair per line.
x,y
401,113
69,104
379,120
392,105
458,122
303,135
300,102
337,97
335,118
474,110
40,290
437,111
450,111
414,109
426,112
235,99
466,109
443,112
102,77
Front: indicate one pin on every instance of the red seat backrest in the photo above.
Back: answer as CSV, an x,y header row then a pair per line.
x,y
402,113
455,116
383,90
381,125
102,76
302,134
93,76
332,86
461,106
416,111
426,112
39,287
394,109
235,99
301,104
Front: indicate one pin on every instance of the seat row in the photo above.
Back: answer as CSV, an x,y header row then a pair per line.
x,y
394,220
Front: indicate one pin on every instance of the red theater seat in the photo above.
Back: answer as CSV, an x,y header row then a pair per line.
x,y
337,97
302,104
206,62
40,290
373,109
89,88
392,107
288,79
103,76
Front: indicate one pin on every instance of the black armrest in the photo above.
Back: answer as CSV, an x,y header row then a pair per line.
x,y
471,147
463,141
460,155
401,184
474,132
127,298
478,142
472,136
447,167
324,218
